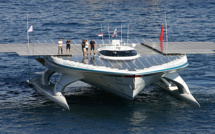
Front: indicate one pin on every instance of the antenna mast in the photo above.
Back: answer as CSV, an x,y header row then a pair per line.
x,y
108,31
116,33
166,33
27,33
127,34
101,31
121,32
29,71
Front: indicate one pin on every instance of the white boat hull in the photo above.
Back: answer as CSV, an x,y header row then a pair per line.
x,y
175,85
48,92
125,84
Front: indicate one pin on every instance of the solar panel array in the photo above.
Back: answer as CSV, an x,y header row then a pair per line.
x,y
144,61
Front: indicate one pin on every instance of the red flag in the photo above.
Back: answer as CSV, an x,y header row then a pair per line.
x,y
114,33
100,35
161,35
161,39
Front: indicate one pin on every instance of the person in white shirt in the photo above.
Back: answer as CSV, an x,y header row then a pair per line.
x,y
87,46
60,46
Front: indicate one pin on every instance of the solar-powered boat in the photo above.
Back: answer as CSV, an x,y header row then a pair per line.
x,y
121,67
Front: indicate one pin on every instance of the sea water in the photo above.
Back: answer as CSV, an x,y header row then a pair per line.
x,y
23,110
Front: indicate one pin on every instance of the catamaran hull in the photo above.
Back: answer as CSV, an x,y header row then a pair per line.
x,y
175,85
126,85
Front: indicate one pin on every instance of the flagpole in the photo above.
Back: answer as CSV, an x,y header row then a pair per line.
x,y
108,31
28,53
166,34
27,33
116,33
27,22
101,31
128,34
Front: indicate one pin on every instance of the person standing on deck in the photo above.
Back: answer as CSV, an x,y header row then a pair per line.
x,y
68,42
83,47
86,46
60,46
92,46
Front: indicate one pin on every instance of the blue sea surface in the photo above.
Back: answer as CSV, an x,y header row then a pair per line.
x,y
23,110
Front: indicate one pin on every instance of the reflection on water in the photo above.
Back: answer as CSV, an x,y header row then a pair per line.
x,y
85,60
92,59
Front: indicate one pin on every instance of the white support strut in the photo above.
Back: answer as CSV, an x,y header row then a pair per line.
x,y
54,91
64,81
46,77
179,88
178,81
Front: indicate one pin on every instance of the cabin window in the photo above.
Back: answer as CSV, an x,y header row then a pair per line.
x,y
119,53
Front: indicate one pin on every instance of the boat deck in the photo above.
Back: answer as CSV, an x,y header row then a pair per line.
x,y
143,46
50,47
150,52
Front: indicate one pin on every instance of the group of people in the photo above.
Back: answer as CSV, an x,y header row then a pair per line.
x,y
84,44
60,46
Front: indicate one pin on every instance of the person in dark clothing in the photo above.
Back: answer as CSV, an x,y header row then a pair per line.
x,y
83,47
92,46
68,42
